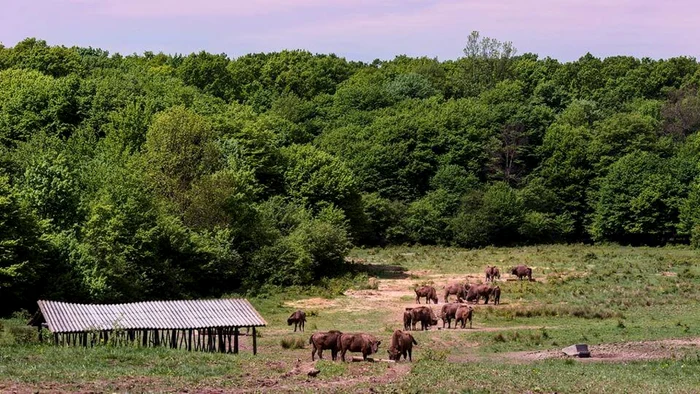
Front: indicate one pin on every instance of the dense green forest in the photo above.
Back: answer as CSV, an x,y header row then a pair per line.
x,y
162,176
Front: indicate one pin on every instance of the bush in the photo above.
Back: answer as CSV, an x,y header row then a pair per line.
x,y
293,343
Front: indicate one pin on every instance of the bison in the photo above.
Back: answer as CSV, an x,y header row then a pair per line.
x,y
407,320
321,341
522,271
448,313
464,313
492,273
478,291
363,343
298,318
401,344
428,292
423,315
457,289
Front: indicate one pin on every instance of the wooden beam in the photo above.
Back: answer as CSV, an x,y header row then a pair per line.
x,y
255,342
235,340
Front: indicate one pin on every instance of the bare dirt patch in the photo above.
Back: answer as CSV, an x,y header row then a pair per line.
x,y
294,381
617,352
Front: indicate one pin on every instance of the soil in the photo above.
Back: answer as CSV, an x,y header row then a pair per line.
x,y
617,352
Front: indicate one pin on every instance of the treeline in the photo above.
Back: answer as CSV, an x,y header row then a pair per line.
x,y
159,176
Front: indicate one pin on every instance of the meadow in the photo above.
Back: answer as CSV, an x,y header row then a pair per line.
x,y
636,307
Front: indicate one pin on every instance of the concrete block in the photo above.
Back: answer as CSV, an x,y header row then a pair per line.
x,y
578,350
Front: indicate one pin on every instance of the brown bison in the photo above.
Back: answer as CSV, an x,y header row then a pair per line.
x,y
428,292
492,273
457,289
423,315
298,318
448,313
496,295
522,271
407,320
464,313
321,341
363,343
478,291
401,344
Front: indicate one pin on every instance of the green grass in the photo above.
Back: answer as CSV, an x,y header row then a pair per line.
x,y
590,294
561,376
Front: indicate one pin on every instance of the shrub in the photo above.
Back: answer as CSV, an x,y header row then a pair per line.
x,y
293,343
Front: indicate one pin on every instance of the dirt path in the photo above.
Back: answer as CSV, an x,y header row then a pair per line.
x,y
616,352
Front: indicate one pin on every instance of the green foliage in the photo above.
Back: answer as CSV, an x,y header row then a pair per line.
x,y
209,73
31,102
151,176
293,343
22,251
489,217
638,201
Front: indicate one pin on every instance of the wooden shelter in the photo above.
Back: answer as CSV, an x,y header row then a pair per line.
x,y
199,325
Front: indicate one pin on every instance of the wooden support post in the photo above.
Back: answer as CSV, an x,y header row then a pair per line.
x,y
230,339
222,344
156,339
173,339
255,342
144,338
235,340
189,340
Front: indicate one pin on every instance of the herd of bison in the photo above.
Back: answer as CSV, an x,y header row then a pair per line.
x,y
402,342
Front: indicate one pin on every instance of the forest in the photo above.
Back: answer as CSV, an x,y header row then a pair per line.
x,y
156,176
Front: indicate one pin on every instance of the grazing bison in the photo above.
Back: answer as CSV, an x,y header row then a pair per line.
x,y
522,271
424,315
428,292
457,289
448,313
492,273
464,313
478,291
401,344
298,318
407,320
496,295
363,343
321,341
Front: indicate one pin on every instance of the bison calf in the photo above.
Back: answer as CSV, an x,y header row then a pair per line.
x,y
492,273
297,318
401,344
321,341
407,320
464,313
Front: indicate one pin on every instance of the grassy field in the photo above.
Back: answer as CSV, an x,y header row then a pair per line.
x,y
635,307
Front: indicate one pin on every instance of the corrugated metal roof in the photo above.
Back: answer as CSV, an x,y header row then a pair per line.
x,y
181,314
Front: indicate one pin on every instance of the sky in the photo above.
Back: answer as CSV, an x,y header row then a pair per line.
x,y
360,29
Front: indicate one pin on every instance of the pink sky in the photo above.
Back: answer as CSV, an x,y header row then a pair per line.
x,y
360,29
